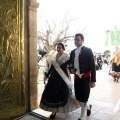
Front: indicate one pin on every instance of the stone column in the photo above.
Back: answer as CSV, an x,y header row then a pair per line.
x,y
33,5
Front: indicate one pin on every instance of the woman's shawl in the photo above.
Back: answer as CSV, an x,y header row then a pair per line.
x,y
62,59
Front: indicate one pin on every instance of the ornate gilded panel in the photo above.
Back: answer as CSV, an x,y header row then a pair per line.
x,y
12,80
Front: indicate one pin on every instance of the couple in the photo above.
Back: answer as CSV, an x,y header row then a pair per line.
x,y
56,96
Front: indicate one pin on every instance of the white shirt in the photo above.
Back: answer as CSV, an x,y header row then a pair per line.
x,y
76,61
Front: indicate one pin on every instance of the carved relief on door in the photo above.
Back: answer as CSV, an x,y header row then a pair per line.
x,y
12,80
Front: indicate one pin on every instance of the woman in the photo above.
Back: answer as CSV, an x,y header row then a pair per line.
x,y
116,64
55,97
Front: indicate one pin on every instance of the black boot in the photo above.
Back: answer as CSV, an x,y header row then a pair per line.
x,y
53,115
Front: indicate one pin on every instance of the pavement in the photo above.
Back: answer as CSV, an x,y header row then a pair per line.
x,y
105,99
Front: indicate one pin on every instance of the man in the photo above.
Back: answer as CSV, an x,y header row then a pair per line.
x,y
82,65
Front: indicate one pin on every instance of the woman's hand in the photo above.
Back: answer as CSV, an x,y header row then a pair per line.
x,y
73,71
45,79
92,84
118,63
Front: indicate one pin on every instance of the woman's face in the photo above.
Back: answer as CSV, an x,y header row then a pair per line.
x,y
116,48
59,49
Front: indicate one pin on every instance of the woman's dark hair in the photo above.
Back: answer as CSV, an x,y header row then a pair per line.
x,y
62,45
81,35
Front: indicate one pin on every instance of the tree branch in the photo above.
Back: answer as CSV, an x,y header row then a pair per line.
x,y
51,34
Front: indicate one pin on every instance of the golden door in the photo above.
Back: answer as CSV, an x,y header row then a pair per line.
x,y
12,78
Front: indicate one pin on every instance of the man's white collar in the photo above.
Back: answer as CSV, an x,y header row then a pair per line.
x,y
80,47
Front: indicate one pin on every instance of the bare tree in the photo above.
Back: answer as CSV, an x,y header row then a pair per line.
x,y
52,36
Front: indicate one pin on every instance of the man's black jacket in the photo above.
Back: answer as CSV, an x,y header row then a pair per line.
x,y
86,62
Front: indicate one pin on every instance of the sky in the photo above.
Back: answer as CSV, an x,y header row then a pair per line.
x,y
92,18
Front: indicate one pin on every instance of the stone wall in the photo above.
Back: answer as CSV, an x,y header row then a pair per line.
x,y
33,5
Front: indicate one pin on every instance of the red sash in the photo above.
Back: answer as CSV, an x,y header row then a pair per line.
x,y
85,75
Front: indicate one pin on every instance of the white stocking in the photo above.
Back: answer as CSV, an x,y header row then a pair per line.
x,y
87,106
83,109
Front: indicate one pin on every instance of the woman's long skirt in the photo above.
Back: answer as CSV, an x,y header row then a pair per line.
x,y
56,97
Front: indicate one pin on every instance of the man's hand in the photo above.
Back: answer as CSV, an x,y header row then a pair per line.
x,y
92,84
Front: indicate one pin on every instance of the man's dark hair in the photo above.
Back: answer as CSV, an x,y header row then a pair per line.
x,y
62,45
81,35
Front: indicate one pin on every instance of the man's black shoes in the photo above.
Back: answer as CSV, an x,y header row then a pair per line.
x,y
89,111
52,116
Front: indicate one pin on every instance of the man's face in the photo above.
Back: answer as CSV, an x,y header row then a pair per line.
x,y
78,41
